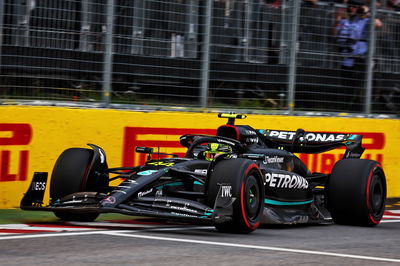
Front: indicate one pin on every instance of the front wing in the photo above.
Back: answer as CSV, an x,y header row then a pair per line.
x,y
163,207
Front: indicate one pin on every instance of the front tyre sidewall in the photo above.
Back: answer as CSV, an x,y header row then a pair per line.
x,y
70,172
248,189
70,175
251,201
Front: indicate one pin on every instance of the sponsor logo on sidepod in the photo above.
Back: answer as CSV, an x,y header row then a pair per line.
x,y
285,181
143,193
274,159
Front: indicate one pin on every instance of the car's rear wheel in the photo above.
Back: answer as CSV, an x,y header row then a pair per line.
x,y
73,172
356,192
244,180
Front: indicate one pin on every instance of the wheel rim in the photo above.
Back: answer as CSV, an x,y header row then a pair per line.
x,y
252,198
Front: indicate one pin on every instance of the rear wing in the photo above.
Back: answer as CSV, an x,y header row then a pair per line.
x,y
301,141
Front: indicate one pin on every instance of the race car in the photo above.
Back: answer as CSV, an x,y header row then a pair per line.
x,y
235,180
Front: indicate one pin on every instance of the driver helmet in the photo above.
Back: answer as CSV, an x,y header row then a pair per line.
x,y
214,150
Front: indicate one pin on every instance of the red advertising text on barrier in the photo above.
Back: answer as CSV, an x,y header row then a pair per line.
x,y
17,136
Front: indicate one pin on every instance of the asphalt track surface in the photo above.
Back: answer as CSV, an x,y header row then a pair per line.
x,y
154,242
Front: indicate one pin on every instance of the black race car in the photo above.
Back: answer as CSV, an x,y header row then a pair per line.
x,y
235,180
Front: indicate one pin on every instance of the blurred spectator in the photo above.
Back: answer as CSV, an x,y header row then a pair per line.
x,y
393,5
341,11
352,34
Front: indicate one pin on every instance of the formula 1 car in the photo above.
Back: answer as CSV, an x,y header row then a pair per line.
x,y
236,180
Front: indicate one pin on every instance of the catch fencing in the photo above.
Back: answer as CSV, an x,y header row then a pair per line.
x,y
257,55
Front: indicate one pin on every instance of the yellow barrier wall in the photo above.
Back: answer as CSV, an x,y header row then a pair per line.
x,y
31,139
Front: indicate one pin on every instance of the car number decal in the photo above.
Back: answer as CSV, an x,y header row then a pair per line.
x,y
161,163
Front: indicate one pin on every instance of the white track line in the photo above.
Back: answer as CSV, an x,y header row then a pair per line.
x,y
43,228
6,236
194,241
203,242
390,221
27,236
181,228
393,211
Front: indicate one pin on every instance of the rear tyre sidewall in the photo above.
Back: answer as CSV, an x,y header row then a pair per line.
x,y
356,192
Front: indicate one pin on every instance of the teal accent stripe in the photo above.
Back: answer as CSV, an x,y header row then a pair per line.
x,y
174,184
352,137
285,203
197,183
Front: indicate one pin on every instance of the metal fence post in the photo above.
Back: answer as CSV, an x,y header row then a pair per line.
x,y
205,63
283,46
1,30
85,27
370,59
246,31
192,29
293,54
138,27
108,54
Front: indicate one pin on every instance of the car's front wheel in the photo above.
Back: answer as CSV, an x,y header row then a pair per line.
x,y
245,183
74,172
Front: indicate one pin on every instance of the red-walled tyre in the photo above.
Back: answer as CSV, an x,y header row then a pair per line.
x,y
356,192
247,187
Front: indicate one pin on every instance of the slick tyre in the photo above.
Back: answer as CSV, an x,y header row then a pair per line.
x,y
246,186
356,192
71,174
